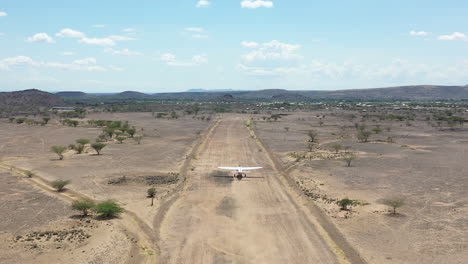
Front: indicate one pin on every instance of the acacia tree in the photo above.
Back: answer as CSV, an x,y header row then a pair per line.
x,y
81,145
98,146
120,139
349,158
108,209
59,150
312,136
59,185
363,135
344,203
336,147
131,132
151,193
83,205
394,203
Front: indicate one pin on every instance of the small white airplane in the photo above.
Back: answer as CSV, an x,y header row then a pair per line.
x,y
240,172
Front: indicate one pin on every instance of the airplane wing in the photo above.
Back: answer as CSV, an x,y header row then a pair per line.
x,y
240,168
250,168
229,168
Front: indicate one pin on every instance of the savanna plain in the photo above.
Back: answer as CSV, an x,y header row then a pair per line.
x,y
368,184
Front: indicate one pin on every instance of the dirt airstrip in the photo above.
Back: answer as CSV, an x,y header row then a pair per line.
x,y
202,215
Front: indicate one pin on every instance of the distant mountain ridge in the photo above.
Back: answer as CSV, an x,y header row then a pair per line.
x,y
32,98
35,98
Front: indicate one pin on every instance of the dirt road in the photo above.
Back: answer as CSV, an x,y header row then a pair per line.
x,y
221,220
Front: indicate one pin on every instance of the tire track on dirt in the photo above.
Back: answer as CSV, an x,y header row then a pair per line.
x,y
329,230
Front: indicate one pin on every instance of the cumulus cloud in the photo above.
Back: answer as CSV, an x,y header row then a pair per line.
x,y
125,52
40,38
99,26
98,41
273,50
67,53
203,3
418,33
3,14
395,72
86,64
70,33
256,4
171,60
121,38
454,36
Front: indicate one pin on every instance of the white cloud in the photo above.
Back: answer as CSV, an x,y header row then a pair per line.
x,y
203,3
273,50
171,60
249,44
115,68
256,4
125,52
67,53
85,61
3,14
418,33
70,33
454,36
121,38
99,26
98,41
86,64
40,38
195,29
129,29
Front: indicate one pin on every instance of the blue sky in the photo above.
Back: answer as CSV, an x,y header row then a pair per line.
x,y
163,46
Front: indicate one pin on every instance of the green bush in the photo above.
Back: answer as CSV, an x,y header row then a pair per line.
x,y
83,205
59,150
344,203
59,185
98,146
151,192
108,209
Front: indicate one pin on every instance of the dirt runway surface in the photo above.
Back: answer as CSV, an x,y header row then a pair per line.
x,y
255,220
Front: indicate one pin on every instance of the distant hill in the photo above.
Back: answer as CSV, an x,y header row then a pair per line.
x,y
130,95
28,99
417,92
205,90
73,94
